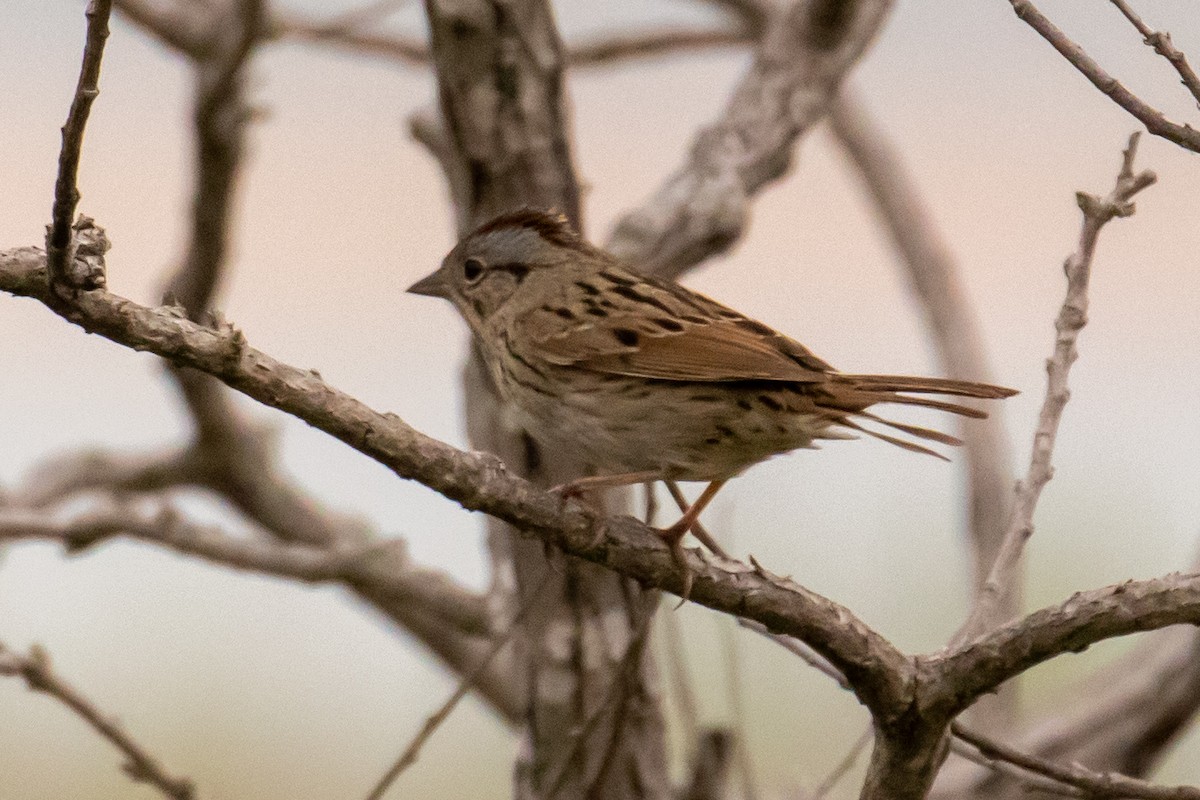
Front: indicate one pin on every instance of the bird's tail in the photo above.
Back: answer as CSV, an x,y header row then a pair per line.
x,y
853,394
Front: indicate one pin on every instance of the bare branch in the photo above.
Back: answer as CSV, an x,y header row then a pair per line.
x,y
881,674
1120,719
1161,42
219,118
622,47
702,208
382,569
601,51
59,477
962,675
403,50
60,259
753,14
1155,121
1097,212
1092,784
140,766
1024,780
183,27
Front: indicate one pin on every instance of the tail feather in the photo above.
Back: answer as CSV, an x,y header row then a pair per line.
x,y
907,445
926,402
915,430
906,383
860,391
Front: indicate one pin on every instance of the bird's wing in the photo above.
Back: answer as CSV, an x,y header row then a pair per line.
x,y
651,329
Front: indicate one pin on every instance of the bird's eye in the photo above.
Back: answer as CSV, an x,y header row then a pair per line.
x,y
472,270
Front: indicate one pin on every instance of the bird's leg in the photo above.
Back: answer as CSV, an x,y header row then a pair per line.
x,y
581,487
673,535
591,483
698,530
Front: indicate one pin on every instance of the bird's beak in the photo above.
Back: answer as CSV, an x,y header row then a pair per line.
x,y
432,285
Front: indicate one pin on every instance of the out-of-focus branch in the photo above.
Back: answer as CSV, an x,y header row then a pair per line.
x,y
935,281
61,476
710,766
181,26
1004,577
59,257
702,208
753,14
219,118
599,51
1090,783
382,569
1155,121
140,766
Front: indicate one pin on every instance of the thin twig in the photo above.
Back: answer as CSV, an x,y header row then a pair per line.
x,y
801,650
1097,212
595,52
843,767
1161,42
623,47
1092,784
1155,121
141,767
413,750
1026,780
66,192
737,707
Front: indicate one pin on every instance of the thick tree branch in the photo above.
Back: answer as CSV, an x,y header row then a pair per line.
x,y
60,259
140,766
219,118
1155,121
1003,579
960,676
880,673
1120,719
701,210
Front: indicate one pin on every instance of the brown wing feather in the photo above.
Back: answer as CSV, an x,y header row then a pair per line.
x,y
627,324
716,351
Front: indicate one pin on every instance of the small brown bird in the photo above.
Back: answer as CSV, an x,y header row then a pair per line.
x,y
647,380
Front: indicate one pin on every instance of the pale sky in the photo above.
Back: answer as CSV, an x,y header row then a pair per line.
x,y
239,681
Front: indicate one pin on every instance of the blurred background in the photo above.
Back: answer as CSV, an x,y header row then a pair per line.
x,y
256,687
